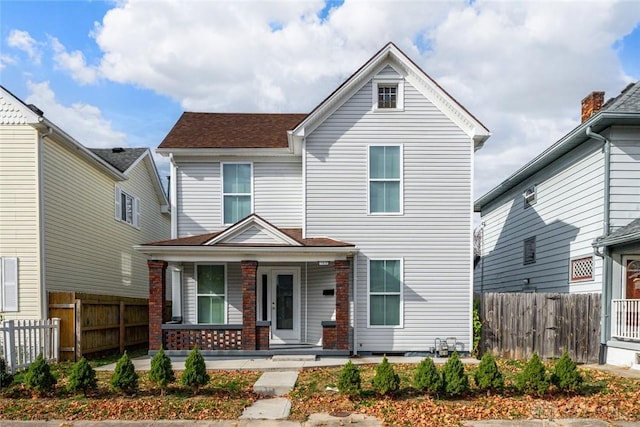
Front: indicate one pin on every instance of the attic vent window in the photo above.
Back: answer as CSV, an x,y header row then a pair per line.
x,y
529,196
582,269
387,96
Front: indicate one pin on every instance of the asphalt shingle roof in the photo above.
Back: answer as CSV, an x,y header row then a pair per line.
x,y
119,158
627,102
626,234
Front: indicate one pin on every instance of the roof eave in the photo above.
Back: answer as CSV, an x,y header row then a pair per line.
x,y
231,152
615,241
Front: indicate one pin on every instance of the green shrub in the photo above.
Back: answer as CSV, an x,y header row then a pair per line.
x,y
427,378
5,377
488,376
195,372
349,379
456,381
533,379
565,374
39,378
82,377
161,372
125,378
385,381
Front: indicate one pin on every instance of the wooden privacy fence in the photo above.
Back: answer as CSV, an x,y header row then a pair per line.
x,y
95,323
515,325
23,340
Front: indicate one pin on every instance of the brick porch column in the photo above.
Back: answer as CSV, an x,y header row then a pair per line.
x,y
249,269
157,288
343,271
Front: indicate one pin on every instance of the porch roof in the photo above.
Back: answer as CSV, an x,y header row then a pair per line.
x,y
628,234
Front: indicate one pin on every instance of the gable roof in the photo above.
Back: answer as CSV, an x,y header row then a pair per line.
x,y
119,158
623,109
231,130
420,80
627,234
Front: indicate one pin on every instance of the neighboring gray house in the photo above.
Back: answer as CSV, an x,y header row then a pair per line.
x,y
344,230
569,221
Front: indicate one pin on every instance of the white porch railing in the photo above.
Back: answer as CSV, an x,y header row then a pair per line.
x,y
23,340
626,318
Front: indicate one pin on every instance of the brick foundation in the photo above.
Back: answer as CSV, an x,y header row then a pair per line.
x,y
157,301
329,335
262,333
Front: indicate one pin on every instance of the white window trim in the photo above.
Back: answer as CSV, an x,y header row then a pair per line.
x,y
15,287
226,299
222,193
593,268
399,82
135,221
401,201
531,199
401,325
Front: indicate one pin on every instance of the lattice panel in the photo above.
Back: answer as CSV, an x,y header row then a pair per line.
x,y
204,339
582,269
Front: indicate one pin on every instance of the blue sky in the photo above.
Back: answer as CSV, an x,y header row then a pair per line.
x,y
121,72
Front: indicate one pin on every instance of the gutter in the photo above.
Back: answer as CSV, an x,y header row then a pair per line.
x,y
605,315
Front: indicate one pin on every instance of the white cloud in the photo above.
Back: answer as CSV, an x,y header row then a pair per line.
x,y
7,60
82,121
73,62
23,41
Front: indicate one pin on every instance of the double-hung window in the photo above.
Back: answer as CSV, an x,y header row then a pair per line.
x,y
211,293
385,179
385,292
127,208
8,284
236,191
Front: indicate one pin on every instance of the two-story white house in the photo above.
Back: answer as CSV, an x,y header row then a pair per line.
x,y
347,229
569,221
70,215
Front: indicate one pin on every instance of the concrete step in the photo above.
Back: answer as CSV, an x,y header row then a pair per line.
x,y
277,408
276,383
294,358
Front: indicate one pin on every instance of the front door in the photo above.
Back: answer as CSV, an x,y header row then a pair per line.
x,y
633,278
279,301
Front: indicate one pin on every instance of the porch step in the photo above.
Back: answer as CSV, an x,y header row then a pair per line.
x,y
277,408
294,358
276,383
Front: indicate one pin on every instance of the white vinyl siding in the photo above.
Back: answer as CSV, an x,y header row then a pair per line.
x,y
237,191
20,214
211,289
9,284
86,250
277,195
565,219
625,175
433,236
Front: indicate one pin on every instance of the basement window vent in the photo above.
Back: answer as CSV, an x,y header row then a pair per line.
x,y
582,269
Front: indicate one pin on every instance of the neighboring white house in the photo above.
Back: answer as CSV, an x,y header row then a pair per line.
x,y
569,221
69,215
347,229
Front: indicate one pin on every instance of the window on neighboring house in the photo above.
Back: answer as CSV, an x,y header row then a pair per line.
x,y
581,269
385,292
385,179
529,196
388,95
8,284
236,189
530,250
127,208
211,294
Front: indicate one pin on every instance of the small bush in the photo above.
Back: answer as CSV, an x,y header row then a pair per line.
x,y
349,379
385,381
125,378
5,377
427,378
533,379
39,378
456,381
488,376
82,377
161,372
565,374
477,329
195,372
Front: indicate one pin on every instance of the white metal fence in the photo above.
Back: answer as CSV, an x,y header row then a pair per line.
x,y
21,341
626,318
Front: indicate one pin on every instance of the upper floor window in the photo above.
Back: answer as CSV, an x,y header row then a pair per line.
x,y
127,208
385,179
529,196
388,95
529,250
236,191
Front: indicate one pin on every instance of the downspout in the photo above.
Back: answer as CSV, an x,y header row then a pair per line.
x,y
44,298
605,315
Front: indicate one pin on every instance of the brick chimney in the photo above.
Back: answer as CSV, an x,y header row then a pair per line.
x,y
591,105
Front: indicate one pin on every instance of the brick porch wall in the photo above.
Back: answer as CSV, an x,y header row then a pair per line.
x,y
157,301
343,272
249,269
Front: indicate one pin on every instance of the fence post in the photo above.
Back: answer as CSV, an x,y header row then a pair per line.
x,y
122,328
56,338
78,316
9,344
